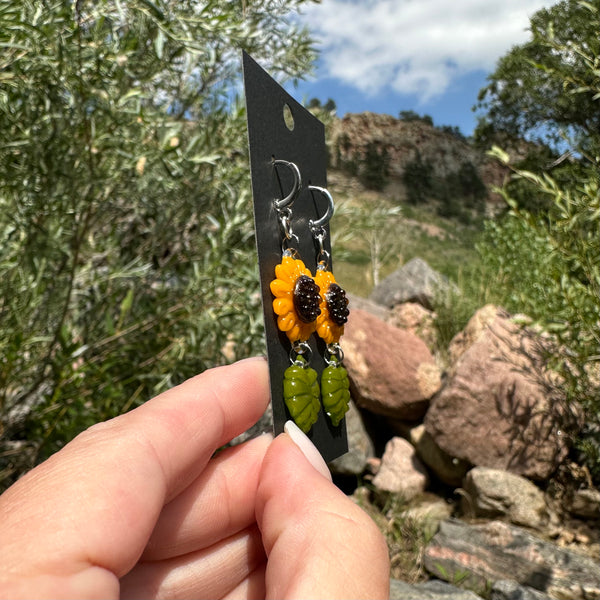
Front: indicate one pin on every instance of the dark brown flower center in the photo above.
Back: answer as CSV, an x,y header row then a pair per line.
x,y
337,304
306,299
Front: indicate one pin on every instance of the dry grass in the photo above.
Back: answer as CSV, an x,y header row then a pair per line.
x,y
406,536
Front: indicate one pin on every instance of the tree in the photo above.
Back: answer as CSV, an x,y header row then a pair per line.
x,y
126,243
374,166
546,262
545,87
381,228
418,180
411,115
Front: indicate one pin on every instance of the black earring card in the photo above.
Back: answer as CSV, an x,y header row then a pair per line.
x,y
279,128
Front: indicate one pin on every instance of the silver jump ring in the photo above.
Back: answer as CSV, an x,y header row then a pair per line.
x,y
300,349
337,354
279,204
315,226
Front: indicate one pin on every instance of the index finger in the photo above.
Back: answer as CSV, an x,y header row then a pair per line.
x,y
95,503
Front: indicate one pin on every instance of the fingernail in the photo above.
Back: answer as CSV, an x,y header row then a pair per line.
x,y
307,447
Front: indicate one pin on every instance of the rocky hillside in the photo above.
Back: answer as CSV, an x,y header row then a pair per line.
x,y
404,141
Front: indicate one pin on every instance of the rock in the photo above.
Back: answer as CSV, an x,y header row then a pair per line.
x,y
405,140
473,330
360,446
511,590
391,371
417,319
586,504
428,513
415,281
488,553
377,310
492,493
401,471
499,407
448,469
428,590
373,465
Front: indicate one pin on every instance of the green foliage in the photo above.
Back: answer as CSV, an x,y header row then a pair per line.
x,y
458,193
545,251
373,170
549,268
418,180
406,534
378,226
547,87
454,131
344,160
411,115
329,106
126,242
455,306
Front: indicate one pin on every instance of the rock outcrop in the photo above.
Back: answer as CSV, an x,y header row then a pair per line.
x,y
406,140
498,551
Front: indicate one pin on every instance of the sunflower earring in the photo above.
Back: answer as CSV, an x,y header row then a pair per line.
x,y
297,306
335,386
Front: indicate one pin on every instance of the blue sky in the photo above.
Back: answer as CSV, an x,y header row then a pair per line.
x,y
430,56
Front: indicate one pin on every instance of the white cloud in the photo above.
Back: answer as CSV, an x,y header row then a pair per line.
x,y
415,46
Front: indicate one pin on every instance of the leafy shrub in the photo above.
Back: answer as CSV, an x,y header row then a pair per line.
x,y
548,267
126,242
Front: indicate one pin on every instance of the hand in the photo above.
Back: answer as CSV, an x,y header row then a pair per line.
x,y
136,507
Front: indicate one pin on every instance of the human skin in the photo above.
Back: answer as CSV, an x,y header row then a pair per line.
x,y
138,507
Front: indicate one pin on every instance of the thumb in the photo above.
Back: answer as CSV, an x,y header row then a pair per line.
x,y
318,542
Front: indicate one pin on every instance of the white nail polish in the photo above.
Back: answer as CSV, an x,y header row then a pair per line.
x,y
307,447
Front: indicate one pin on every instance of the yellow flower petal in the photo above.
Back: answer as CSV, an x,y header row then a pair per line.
x,y
279,287
286,322
294,333
281,306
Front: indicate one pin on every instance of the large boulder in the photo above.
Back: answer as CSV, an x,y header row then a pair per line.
x,y
415,281
474,329
417,319
377,310
391,371
499,407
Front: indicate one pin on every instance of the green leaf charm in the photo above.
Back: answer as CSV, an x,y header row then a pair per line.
x,y
336,392
301,395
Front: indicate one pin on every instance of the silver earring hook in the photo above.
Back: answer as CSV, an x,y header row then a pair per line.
x,y
319,223
279,204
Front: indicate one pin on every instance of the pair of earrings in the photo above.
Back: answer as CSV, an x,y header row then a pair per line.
x,y
305,305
